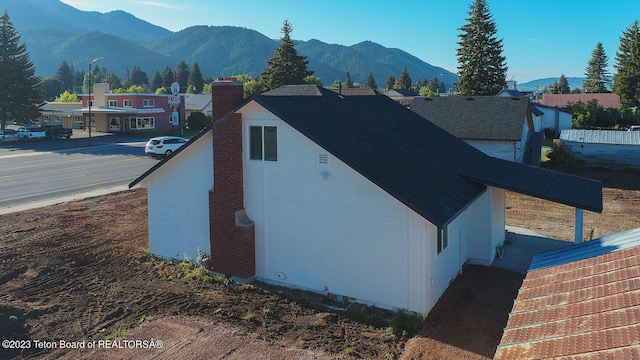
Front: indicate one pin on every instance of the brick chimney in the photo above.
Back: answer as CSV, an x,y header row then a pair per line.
x,y
231,232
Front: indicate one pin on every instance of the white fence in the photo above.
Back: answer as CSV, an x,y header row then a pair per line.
x,y
601,136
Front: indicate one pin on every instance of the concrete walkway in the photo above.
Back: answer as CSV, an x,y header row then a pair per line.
x,y
519,247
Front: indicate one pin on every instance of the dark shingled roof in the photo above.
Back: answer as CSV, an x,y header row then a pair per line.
x,y
476,117
426,168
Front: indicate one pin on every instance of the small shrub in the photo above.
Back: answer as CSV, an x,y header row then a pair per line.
x,y
560,155
404,324
198,121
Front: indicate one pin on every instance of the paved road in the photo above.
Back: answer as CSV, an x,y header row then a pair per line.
x,y
54,171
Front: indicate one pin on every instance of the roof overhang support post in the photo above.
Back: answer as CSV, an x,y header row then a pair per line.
x,y
579,225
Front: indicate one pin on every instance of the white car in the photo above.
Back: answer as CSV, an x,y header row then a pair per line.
x,y
8,135
163,145
31,133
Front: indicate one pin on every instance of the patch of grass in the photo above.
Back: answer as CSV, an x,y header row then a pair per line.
x,y
144,319
119,331
248,316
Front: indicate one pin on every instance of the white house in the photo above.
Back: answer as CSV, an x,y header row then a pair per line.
x,y
353,196
554,118
501,127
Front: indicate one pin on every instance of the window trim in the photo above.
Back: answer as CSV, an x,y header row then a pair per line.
x,y
127,103
268,151
442,242
113,103
147,103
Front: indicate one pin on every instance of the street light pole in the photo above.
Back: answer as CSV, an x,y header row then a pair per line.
x,y
90,88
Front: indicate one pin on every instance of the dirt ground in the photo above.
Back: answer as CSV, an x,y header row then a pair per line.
x,y
80,272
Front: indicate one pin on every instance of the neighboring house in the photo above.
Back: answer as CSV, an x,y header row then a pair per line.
x,y
197,102
606,100
60,113
579,302
554,118
347,195
502,127
115,112
402,96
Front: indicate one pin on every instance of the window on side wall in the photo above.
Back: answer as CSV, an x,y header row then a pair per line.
x,y
443,240
113,102
127,103
263,143
147,103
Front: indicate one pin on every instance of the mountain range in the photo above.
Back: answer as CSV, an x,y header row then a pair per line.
x,y
55,32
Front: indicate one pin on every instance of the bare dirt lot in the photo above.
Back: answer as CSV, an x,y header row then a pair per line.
x,y
80,272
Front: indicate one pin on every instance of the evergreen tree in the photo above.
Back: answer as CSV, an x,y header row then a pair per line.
x,y
626,81
156,81
195,78
371,82
20,89
286,67
391,82
597,77
182,74
563,85
347,81
51,87
139,77
167,77
482,68
65,76
404,81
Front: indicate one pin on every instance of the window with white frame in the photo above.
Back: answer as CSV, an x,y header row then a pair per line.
x,y
147,103
142,123
127,103
113,102
263,143
443,240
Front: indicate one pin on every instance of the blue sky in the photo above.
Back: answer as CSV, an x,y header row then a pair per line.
x,y
542,38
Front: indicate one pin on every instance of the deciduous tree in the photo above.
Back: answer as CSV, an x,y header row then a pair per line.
x,y
286,67
482,68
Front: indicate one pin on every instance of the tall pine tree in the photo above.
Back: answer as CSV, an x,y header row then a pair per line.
x,y
195,78
167,77
371,82
20,89
404,81
626,81
65,76
597,77
182,74
286,67
482,69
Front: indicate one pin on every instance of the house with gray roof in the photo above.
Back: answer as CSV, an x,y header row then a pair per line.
x,y
354,196
502,127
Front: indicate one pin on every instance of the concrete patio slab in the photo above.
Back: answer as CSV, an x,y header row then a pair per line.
x,y
519,247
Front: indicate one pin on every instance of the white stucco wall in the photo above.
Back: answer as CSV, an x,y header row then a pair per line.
x,y
178,199
342,235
